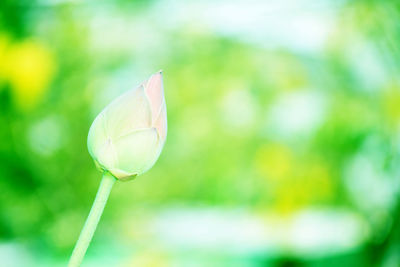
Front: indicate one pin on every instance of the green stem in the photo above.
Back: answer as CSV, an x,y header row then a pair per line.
x,y
86,235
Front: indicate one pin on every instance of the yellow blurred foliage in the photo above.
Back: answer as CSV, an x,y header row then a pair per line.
x,y
149,258
296,181
391,103
4,43
310,184
29,67
274,161
288,198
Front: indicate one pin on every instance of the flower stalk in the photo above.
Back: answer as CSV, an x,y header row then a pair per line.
x,y
90,226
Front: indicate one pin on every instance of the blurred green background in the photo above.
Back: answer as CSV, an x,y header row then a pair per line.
x,y
283,143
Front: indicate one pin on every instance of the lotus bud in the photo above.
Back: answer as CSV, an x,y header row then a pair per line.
x,y
127,137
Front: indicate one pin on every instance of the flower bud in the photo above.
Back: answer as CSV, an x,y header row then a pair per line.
x,y
127,137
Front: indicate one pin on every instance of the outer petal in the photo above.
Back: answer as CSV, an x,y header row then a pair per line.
x,y
107,155
128,112
97,136
160,123
155,93
137,151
